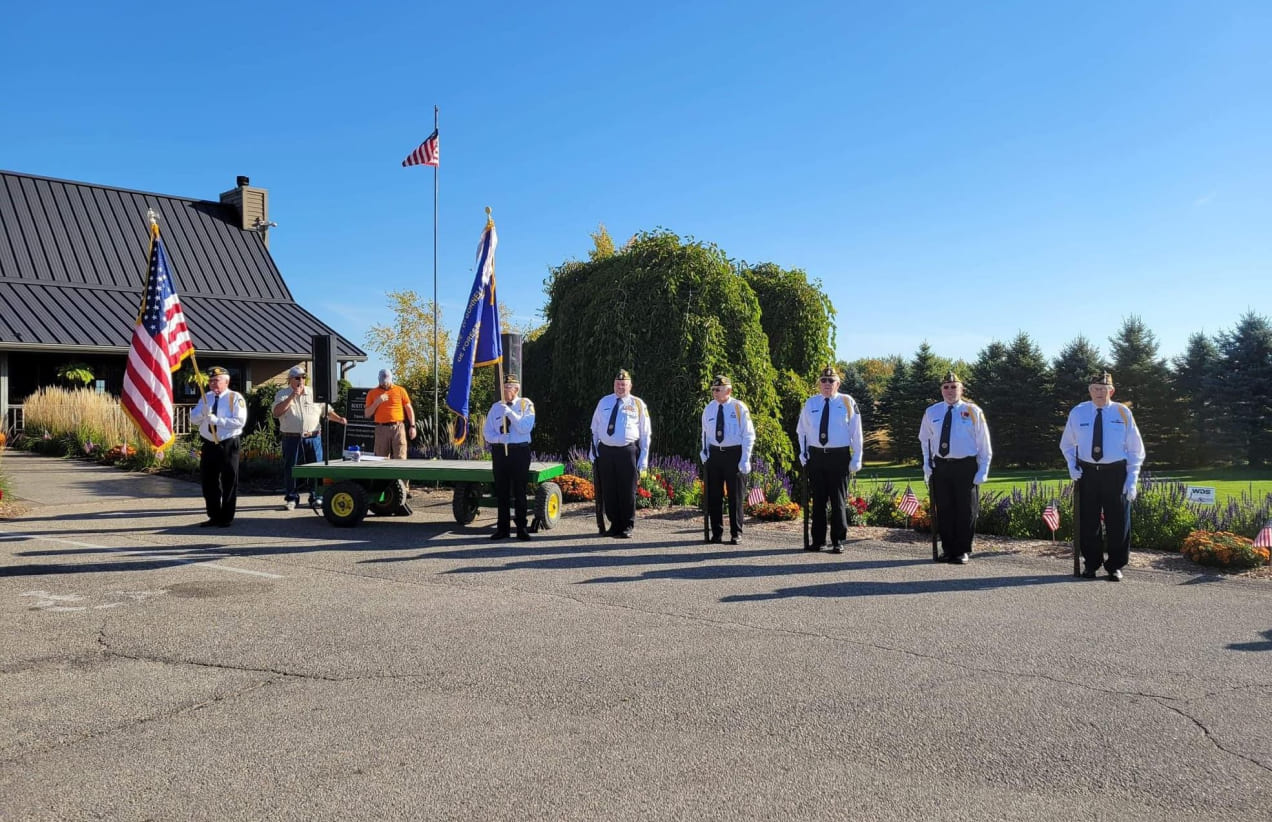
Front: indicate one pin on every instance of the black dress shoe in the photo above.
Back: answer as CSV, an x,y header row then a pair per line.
x,y
207,523
816,546
603,532
523,535
1088,573
836,548
223,523
1115,576
500,535
623,535
717,540
736,541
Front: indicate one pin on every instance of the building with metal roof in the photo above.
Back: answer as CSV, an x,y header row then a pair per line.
x,y
73,261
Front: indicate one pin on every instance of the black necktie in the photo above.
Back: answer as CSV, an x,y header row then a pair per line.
x,y
944,450
613,417
215,402
719,423
824,434
1097,436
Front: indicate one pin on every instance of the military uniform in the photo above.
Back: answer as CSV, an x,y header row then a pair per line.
x,y
1104,452
620,446
830,439
507,432
954,437
728,436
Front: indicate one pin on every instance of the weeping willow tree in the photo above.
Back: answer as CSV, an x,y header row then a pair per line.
x,y
672,311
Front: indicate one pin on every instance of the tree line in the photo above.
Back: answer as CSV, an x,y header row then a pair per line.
x,y
1210,405
676,311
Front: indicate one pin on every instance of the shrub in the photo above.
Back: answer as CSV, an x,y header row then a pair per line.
x,y
1162,517
1223,549
775,482
578,463
576,489
679,477
1243,515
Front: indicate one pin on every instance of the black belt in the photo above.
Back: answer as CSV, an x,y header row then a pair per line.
x,y
398,422
817,449
726,448
207,441
954,459
509,444
1101,466
631,444
309,435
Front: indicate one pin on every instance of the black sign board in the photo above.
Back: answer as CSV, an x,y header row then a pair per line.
x,y
360,431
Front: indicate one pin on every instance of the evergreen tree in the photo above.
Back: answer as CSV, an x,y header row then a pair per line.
x,y
1195,373
913,387
1014,387
855,386
1243,390
1071,373
1142,381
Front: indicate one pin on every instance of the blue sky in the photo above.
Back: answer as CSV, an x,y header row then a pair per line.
x,y
951,172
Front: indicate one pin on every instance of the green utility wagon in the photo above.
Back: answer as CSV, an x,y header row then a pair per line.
x,y
379,486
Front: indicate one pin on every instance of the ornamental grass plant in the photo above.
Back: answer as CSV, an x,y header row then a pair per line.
x,y
83,422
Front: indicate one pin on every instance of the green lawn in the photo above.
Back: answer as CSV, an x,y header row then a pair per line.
x,y
1226,481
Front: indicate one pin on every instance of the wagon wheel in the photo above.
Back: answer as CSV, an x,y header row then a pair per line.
x,y
547,504
466,500
345,504
391,499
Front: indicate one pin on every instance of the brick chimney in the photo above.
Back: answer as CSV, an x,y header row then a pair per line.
x,y
252,205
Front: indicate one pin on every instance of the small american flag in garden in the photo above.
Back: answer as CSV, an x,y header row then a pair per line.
x,y
909,503
1051,516
756,497
1264,539
427,154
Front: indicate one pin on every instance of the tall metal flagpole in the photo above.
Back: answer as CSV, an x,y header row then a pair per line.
x,y
437,378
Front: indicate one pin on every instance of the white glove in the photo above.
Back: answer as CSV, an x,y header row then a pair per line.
x,y
853,469
1130,491
980,477
927,474
703,457
1075,473
803,459
744,467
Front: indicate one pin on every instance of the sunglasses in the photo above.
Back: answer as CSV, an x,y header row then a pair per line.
x,y
827,380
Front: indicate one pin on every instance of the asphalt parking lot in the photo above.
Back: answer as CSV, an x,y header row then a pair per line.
x,y
413,669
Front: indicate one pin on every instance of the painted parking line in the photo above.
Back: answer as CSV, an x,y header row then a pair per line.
x,y
130,552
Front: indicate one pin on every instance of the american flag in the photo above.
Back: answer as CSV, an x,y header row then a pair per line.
x,y
1051,516
756,497
426,154
1264,539
160,342
909,503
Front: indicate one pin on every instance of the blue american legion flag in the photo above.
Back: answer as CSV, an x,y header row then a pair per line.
x,y
160,343
479,342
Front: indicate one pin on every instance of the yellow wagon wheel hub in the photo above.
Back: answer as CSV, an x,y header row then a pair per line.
x,y
342,504
554,506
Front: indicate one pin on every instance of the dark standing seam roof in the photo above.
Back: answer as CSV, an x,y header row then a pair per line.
x,y
73,266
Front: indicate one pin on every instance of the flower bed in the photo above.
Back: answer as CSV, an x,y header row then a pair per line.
x,y
576,489
1223,549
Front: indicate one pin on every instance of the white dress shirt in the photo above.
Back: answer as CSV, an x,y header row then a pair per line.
x,y
519,419
632,425
227,422
1121,438
969,437
738,430
843,430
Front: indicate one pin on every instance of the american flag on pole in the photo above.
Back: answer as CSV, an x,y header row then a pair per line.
x,y
426,154
909,503
160,342
756,497
1264,539
1051,516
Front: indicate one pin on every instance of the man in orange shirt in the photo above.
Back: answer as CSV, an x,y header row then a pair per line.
x,y
390,406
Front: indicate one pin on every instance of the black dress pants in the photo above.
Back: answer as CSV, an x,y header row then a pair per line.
x,y
219,471
512,472
617,467
1100,492
957,503
828,475
722,470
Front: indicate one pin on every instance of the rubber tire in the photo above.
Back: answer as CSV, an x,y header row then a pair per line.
x,y
345,504
465,502
547,505
394,497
